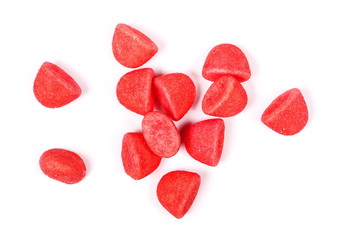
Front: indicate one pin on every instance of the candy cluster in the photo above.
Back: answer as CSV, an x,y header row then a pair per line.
x,y
140,90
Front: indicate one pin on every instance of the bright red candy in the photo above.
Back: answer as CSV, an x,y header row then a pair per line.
x,y
137,158
131,47
134,90
225,98
204,141
161,134
63,165
176,93
287,114
176,191
226,60
53,87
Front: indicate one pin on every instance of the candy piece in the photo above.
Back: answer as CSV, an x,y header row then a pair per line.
x,y
177,190
137,158
134,91
131,47
161,134
287,114
63,165
226,59
176,93
53,87
225,98
204,141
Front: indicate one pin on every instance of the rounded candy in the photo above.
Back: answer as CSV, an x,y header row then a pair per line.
x,y
161,134
134,91
137,158
63,165
132,48
176,93
225,98
226,60
204,141
176,191
53,87
287,114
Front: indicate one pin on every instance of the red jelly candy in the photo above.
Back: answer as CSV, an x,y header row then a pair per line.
x,y
204,141
287,114
161,134
226,59
63,165
53,87
225,98
176,93
137,158
177,190
134,90
132,48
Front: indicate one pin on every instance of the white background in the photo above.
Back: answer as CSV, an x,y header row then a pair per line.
x,y
267,186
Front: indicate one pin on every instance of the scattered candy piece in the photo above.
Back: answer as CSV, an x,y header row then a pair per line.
x,y
287,114
177,190
137,158
226,59
131,47
134,90
161,134
53,87
204,141
225,98
176,93
63,165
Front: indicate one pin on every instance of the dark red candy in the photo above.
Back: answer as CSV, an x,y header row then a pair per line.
x,y
226,60
204,141
63,165
53,87
137,158
287,114
225,98
134,90
131,47
176,191
176,93
161,134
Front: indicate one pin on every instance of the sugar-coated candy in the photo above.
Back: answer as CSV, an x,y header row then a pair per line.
x,y
225,98
161,134
63,165
226,60
204,141
287,114
132,48
134,90
176,93
53,87
137,158
176,191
